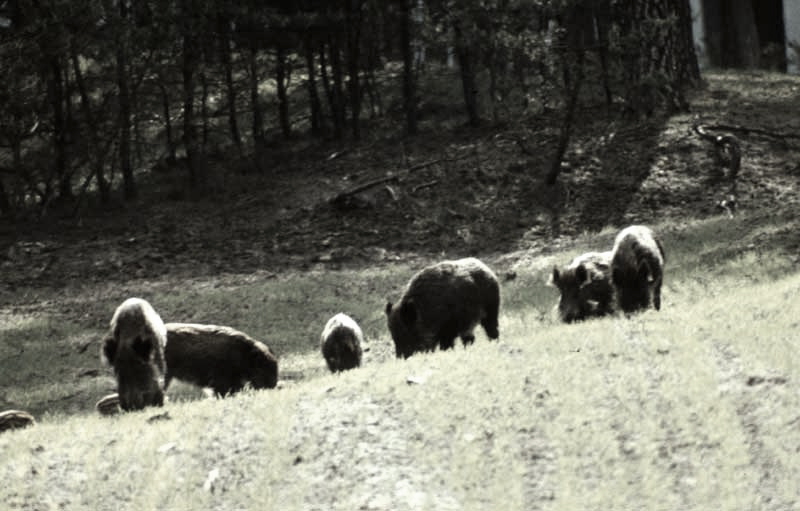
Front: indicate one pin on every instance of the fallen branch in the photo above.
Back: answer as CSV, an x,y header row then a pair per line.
x,y
730,153
424,185
343,197
365,186
756,131
727,145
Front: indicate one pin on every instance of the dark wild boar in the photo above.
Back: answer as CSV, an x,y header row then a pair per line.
x,y
219,358
637,269
340,343
444,301
135,349
585,287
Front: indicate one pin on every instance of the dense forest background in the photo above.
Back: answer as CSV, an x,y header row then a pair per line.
x,y
98,93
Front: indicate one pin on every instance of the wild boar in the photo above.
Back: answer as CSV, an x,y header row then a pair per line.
x,y
585,287
637,269
135,349
340,343
442,301
218,357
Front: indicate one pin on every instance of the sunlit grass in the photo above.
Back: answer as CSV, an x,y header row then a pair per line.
x,y
611,413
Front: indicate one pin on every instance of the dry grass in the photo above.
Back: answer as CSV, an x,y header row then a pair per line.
x,y
693,407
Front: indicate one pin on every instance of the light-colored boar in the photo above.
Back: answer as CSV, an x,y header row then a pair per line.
x,y
340,343
135,349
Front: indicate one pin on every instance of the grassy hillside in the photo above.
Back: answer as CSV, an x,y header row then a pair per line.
x,y
693,407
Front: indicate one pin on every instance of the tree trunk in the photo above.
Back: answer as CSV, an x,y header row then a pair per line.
x,y
171,151
255,100
337,107
57,97
204,108
466,66
311,83
5,205
409,85
353,24
227,66
97,157
283,99
326,82
688,53
128,184
188,70
742,34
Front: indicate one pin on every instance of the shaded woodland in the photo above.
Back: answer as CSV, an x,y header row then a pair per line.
x,y
97,93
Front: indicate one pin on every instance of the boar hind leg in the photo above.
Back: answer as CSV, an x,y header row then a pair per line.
x,y
657,296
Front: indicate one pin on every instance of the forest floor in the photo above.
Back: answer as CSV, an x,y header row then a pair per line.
x,y
363,441
446,193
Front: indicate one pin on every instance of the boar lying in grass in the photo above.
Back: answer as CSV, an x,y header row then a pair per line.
x,y
135,349
218,357
14,419
637,269
585,287
341,343
441,302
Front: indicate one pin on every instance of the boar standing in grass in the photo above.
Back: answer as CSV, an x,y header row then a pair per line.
x,y
218,357
341,343
441,302
135,349
585,287
637,269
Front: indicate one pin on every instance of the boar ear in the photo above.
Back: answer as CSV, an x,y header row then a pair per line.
x,y
409,312
388,308
109,349
142,347
581,274
554,278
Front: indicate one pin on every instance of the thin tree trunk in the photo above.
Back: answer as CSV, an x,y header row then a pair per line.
x,y
311,83
188,70
283,100
204,107
94,139
56,92
255,101
573,88
409,85
128,184
326,83
227,65
466,65
353,23
338,96
171,150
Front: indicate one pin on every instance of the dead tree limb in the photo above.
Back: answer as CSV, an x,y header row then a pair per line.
x,y
782,136
729,152
424,185
728,148
343,197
